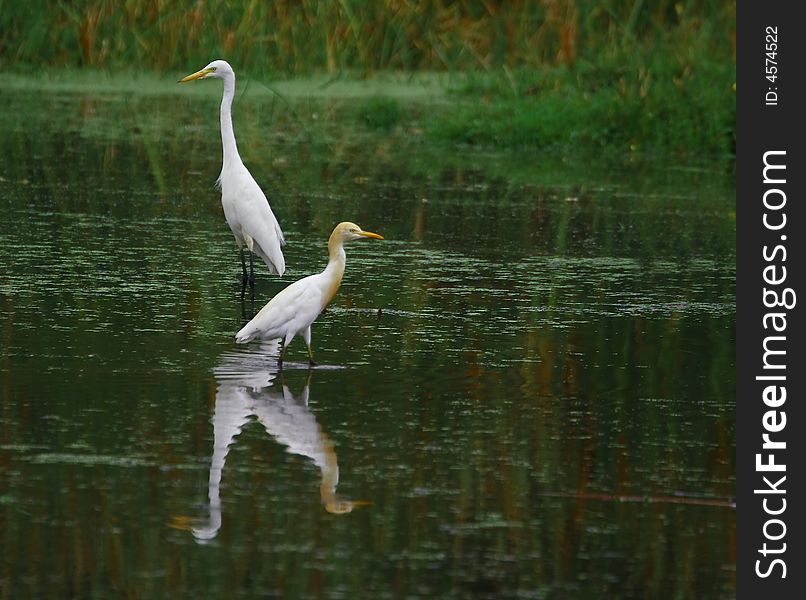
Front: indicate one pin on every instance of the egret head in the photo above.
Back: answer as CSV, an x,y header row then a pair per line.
x,y
346,232
217,68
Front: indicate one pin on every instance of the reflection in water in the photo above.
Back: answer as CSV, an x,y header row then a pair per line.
x,y
245,389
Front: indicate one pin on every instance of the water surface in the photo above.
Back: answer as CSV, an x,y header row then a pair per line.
x,y
527,390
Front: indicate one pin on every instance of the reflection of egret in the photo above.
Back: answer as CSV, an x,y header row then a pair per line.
x,y
245,206
244,391
294,309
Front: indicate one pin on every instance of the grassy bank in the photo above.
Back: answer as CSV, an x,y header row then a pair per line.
x,y
662,108
621,76
554,109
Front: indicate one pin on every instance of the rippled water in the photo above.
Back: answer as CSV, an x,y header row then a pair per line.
x,y
527,390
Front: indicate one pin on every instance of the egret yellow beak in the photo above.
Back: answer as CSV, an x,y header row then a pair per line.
x,y
369,234
195,75
342,507
182,522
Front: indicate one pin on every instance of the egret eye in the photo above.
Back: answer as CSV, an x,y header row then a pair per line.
x,y
213,68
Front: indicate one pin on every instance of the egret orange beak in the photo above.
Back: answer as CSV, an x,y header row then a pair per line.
x,y
369,234
342,507
196,75
182,522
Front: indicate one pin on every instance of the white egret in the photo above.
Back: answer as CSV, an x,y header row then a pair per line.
x,y
292,311
245,205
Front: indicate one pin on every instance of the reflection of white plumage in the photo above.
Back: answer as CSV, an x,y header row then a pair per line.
x,y
245,206
244,390
292,311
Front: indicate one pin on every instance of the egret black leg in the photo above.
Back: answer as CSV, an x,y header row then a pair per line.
x,y
252,272
246,315
245,276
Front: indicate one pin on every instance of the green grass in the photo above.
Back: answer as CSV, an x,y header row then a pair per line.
x,y
381,112
621,76
659,110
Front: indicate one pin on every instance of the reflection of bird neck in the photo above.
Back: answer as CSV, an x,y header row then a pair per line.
x,y
333,503
231,155
330,480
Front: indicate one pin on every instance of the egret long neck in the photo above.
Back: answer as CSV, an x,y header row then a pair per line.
x,y
335,267
227,133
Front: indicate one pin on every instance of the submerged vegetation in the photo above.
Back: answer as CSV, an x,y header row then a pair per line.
x,y
626,75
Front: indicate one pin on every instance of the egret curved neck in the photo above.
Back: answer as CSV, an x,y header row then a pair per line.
x,y
227,133
337,258
335,268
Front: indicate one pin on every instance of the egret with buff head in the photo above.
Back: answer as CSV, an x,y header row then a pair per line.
x,y
245,205
292,311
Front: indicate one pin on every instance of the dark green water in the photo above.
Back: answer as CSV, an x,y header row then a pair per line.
x,y
543,406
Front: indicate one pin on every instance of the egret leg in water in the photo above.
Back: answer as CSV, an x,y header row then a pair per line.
x,y
245,274
246,315
252,271
246,208
247,278
306,335
292,311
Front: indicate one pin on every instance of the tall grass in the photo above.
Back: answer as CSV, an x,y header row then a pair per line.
x,y
630,102
626,74
302,36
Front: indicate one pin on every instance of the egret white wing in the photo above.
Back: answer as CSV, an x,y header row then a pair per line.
x,y
291,310
257,220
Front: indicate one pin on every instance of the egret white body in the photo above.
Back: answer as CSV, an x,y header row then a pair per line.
x,y
292,311
246,208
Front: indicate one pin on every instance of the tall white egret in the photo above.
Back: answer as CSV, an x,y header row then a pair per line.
x,y
292,311
245,205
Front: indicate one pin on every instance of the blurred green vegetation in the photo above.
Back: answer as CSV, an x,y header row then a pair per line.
x,y
622,75
600,106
